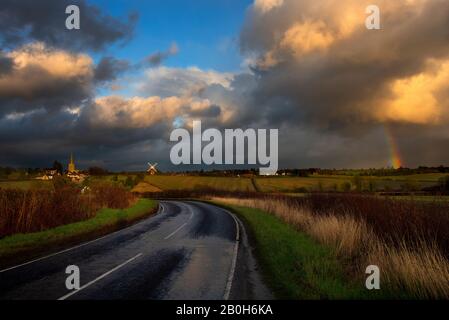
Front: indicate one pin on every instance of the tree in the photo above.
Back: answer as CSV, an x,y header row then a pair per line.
x,y
58,167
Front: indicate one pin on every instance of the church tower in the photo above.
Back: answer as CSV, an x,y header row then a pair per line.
x,y
72,164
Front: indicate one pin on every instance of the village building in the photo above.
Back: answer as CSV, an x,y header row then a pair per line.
x,y
72,173
49,174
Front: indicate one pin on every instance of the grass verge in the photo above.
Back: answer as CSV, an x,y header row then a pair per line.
x,y
294,265
24,246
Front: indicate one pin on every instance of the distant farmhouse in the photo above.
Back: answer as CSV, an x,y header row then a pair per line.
x,y
49,174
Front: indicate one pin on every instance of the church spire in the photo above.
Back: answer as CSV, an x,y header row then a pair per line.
x,y
71,167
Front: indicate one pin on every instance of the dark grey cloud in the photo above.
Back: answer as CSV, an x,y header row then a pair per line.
x,y
6,64
37,139
109,68
212,111
157,58
44,20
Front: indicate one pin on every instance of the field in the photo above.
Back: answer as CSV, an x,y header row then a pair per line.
x,y
336,183
197,182
294,184
278,184
299,184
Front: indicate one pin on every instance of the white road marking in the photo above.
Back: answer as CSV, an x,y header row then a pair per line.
x,y
174,232
234,258
184,224
69,249
100,277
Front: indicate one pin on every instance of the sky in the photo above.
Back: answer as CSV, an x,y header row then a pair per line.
x,y
341,96
207,31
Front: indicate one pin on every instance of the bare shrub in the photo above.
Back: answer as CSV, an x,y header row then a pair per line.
x,y
109,195
36,210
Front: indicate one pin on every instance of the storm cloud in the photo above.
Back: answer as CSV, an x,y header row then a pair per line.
x,y
338,74
6,64
44,21
109,68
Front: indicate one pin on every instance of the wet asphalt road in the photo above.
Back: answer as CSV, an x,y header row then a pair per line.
x,y
187,251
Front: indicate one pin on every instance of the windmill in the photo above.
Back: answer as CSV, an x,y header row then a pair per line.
x,y
152,168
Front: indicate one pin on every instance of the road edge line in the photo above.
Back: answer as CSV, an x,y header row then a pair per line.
x,y
234,259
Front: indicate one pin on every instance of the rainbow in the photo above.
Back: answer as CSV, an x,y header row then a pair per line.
x,y
395,156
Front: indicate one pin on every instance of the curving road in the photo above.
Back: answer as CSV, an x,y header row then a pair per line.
x,y
189,250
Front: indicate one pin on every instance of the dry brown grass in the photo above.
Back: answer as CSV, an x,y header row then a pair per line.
x,y
416,265
25,211
345,234
422,271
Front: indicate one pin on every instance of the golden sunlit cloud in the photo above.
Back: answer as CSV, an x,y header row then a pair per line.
x,y
306,37
138,112
416,99
37,68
